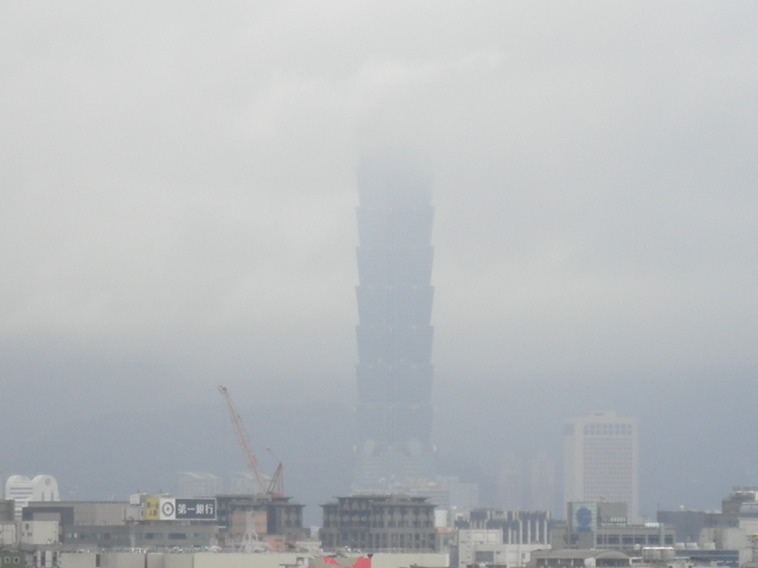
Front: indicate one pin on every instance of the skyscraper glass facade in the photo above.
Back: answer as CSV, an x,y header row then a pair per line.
x,y
394,332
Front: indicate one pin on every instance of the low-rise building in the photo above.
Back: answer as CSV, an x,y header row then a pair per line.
x,y
12,558
517,527
726,537
276,520
578,558
7,523
604,525
495,538
163,522
373,523
102,525
209,559
485,549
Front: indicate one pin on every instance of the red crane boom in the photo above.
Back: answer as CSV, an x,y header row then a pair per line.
x,y
247,445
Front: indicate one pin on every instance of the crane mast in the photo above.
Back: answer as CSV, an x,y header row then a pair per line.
x,y
276,487
247,446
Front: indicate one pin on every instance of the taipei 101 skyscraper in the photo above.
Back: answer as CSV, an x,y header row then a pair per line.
x,y
394,332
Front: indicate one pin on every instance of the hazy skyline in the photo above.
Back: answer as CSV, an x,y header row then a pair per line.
x,y
179,193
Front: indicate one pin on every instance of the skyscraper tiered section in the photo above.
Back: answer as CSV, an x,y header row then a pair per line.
x,y
394,332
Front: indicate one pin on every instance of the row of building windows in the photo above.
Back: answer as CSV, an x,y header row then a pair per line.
x,y
379,524
630,540
146,536
408,541
389,512
608,429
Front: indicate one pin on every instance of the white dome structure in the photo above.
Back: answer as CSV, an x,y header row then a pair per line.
x,y
18,488
45,488
23,490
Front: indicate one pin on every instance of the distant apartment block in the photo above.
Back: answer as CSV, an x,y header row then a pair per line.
x,y
529,484
601,460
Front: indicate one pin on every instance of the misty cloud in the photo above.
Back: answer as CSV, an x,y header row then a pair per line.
x,y
179,192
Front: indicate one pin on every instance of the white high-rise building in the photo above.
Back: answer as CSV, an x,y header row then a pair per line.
x,y
601,460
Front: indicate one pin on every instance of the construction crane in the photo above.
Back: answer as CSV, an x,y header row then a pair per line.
x,y
272,488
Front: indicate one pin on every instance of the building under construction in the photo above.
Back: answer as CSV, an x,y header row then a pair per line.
x,y
263,519
257,522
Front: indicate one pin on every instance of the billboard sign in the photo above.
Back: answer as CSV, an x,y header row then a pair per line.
x,y
195,509
168,509
171,509
583,522
152,509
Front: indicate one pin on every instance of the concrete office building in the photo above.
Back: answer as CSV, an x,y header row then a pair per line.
x,y
601,460
373,523
7,523
517,527
394,333
110,525
727,537
565,558
604,525
294,559
276,520
484,548
495,538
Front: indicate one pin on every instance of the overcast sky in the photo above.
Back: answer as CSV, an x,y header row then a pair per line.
x,y
178,204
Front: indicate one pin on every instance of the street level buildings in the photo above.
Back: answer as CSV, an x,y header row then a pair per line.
x,y
604,525
564,558
726,537
601,460
163,523
497,538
